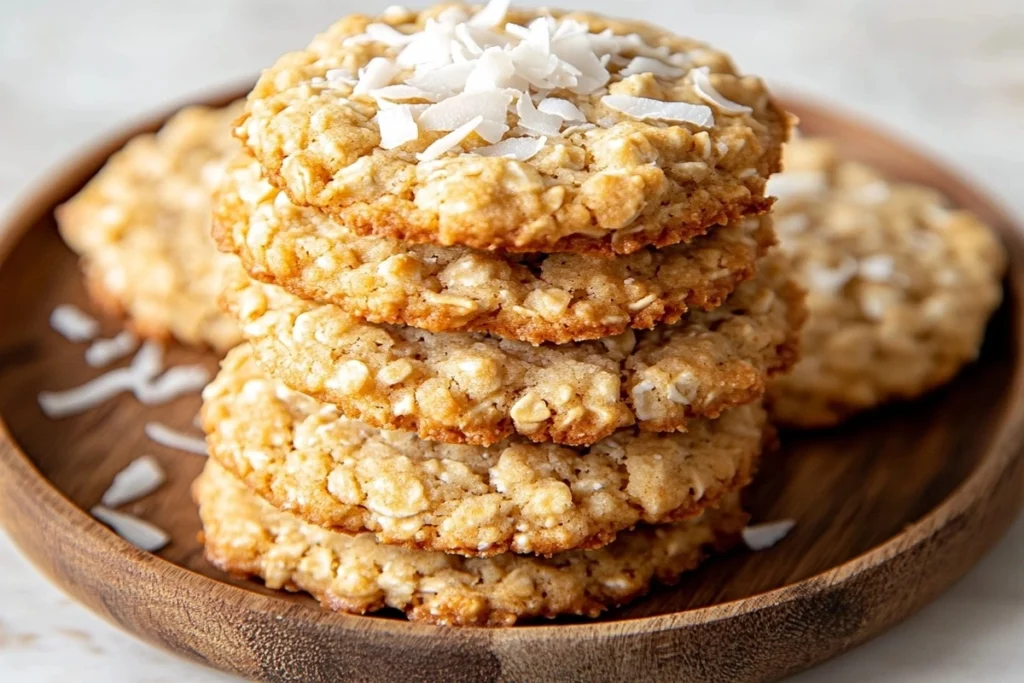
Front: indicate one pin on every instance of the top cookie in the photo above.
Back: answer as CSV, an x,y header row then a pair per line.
x,y
524,131
537,298
899,286
142,228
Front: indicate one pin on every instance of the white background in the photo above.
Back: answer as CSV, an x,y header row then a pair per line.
x,y
947,74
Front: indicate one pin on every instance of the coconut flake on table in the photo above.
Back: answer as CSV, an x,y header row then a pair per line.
x,y
520,149
172,438
177,381
139,479
764,536
645,108
103,352
73,323
702,84
138,532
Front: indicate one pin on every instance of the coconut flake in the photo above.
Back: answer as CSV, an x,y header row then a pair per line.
x,y
493,70
520,149
451,114
644,108
796,184
491,15
148,362
444,81
375,75
764,536
138,532
172,438
340,77
561,108
387,34
178,381
397,126
401,92
824,280
73,323
537,121
103,352
443,144
141,477
648,65
702,84
58,404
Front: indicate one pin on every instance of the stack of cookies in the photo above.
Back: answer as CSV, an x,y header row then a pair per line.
x,y
509,309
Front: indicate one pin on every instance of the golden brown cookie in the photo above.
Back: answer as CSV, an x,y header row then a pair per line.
x,y
142,228
462,387
246,536
574,133
305,458
900,286
536,298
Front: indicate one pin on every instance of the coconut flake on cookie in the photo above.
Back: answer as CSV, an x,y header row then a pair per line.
x,y
470,66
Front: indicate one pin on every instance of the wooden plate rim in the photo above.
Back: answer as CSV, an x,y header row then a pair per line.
x,y
1005,448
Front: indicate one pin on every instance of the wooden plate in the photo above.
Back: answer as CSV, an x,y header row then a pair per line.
x,y
891,509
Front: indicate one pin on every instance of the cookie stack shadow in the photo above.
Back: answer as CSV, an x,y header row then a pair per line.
x,y
476,436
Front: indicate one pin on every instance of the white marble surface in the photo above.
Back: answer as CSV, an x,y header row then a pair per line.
x,y
946,73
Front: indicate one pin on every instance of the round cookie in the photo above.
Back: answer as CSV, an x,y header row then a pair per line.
x,y
900,287
142,228
305,458
578,133
462,387
538,298
246,536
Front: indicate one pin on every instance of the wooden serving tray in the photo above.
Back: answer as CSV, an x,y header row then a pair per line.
x,y
891,508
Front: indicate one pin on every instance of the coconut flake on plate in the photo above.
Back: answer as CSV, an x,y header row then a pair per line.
x,y
172,438
644,108
139,479
73,323
397,126
764,536
138,532
177,381
452,139
792,184
519,149
702,84
103,352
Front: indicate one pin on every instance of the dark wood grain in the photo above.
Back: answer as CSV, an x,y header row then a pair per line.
x,y
891,508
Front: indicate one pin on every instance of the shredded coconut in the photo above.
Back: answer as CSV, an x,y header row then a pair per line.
x,y
177,381
103,352
764,536
172,438
645,108
139,479
73,323
138,532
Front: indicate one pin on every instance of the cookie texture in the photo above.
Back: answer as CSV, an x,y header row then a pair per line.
x,y
900,287
595,179
537,298
246,536
142,229
305,458
462,387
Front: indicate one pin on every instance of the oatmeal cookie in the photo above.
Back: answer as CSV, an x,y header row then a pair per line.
x,y
463,387
900,286
305,458
577,133
246,536
538,298
142,228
